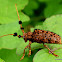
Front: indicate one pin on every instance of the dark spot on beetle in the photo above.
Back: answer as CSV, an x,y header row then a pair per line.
x,y
47,32
51,35
54,33
43,39
42,31
54,36
31,35
38,33
51,32
49,39
55,41
45,36
58,35
27,38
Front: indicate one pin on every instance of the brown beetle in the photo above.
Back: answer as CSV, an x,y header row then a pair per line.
x,y
39,36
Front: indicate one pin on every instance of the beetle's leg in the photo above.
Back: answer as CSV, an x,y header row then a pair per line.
x,y
50,50
24,52
29,48
55,49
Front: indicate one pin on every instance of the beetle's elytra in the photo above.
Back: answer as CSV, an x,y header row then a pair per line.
x,y
39,36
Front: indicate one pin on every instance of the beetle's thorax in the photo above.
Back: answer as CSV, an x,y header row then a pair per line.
x,y
27,36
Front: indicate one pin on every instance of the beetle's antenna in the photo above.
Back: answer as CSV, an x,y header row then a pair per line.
x,y
20,22
17,12
15,34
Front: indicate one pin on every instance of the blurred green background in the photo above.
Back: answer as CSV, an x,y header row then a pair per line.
x,y
35,14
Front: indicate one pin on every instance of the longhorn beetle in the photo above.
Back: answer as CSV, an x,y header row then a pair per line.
x,y
39,36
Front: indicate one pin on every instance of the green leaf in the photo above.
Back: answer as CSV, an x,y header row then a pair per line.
x,y
8,11
21,47
9,41
44,0
38,26
53,9
54,24
11,56
50,1
1,60
43,55
32,5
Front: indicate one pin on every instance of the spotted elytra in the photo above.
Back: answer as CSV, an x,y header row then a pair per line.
x,y
39,36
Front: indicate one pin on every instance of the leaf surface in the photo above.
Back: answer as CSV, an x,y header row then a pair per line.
x,y
8,11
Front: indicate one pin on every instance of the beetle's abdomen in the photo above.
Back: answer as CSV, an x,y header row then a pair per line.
x,y
41,36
